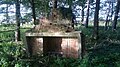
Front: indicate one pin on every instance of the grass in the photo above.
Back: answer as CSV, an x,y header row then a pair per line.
x,y
106,51
103,53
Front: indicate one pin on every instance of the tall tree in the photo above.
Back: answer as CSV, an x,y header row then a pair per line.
x,y
33,11
96,21
107,20
82,13
55,4
17,33
5,10
38,7
71,4
116,15
87,18
82,4
7,13
110,11
31,4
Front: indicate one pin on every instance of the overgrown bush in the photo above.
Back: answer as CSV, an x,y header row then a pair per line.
x,y
11,54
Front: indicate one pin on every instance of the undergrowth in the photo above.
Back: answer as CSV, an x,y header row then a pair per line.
x,y
102,53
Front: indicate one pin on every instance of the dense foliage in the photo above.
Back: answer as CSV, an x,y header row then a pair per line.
x,y
102,53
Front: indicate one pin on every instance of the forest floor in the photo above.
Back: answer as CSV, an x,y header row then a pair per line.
x,y
105,52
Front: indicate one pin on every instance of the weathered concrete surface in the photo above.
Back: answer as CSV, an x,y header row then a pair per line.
x,y
66,44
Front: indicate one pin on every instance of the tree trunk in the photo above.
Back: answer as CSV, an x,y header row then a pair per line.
x,y
73,22
17,33
87,18
7,16
106,23
82,13
55,4
96,21
33,11
111,15
116,15
112,10
107,20
72,18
